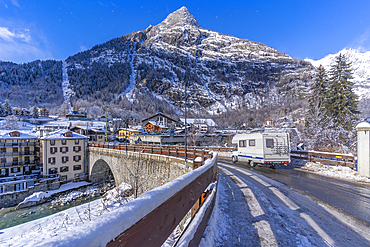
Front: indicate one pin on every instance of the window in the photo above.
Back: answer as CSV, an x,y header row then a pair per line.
x,y
3,160
64,178
53,171
64,169
27,150
252,143
77,148
77,141
26,168
77,158
64,142
3,171
100,137
15,169
242,143
15,150
77,167
63,149
51,160
3,150
64,159
269,143
27,159
52,142
53,150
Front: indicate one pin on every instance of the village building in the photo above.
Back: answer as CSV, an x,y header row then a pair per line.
x,y
125,133
152,126
63,153
94,134
269,122
159,122
158,139
20,112
43,112
18,160
202,124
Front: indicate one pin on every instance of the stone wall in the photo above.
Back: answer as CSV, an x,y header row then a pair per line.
x,y
13,198
142,171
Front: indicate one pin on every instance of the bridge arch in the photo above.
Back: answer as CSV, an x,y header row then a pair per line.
x,y
101,170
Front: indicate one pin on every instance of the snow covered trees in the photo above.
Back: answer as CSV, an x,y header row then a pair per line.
x,y
342,101
332,107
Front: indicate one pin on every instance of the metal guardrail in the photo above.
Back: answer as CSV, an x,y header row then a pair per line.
x,y
324,157
146,232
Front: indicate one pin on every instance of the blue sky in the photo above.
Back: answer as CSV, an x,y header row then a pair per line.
x,y
31,30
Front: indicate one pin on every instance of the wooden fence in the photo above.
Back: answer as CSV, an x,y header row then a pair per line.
x,y
323,157
156,227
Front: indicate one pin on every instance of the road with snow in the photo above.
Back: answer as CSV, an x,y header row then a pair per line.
x,y
255,210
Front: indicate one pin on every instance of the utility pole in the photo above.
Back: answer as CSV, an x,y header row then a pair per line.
x,y
106,123
186,129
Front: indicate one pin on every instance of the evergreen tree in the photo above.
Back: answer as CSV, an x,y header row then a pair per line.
x,y
2,112
7,109
341,100
317,98
35,113
316,117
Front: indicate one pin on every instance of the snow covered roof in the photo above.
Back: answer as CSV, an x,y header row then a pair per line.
x,y
5,134
158,124
59,134
363,126
206,121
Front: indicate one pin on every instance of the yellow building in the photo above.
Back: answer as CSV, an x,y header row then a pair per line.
x,y
125,133
63,153
18,153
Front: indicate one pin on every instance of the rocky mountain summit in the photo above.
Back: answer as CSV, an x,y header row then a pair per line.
x,y
222,71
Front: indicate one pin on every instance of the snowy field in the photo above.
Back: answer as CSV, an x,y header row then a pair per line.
x,y
35,233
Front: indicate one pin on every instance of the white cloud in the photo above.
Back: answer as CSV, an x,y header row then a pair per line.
x,y
15,3
10,36
22,45
362,43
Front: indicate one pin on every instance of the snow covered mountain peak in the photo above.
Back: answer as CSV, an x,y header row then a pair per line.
x,y
181,17
360,66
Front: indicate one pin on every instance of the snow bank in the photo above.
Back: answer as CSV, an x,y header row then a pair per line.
x,y
335,171
39,197
99,230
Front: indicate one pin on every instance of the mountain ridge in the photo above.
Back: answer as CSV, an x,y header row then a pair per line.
x,y
360,66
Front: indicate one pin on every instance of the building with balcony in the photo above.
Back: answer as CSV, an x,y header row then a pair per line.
x,y
64,153
43,112
18,154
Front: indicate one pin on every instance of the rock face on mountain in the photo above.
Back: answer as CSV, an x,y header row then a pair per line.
x,y
360,66
221,71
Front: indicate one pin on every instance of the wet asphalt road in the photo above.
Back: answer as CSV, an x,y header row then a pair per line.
x,y
350,198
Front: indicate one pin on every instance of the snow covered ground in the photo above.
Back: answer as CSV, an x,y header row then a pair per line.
x,y
35,233
253,210
341,172
39,196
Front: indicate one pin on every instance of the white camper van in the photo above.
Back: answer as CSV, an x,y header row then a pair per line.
x,y
262,146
